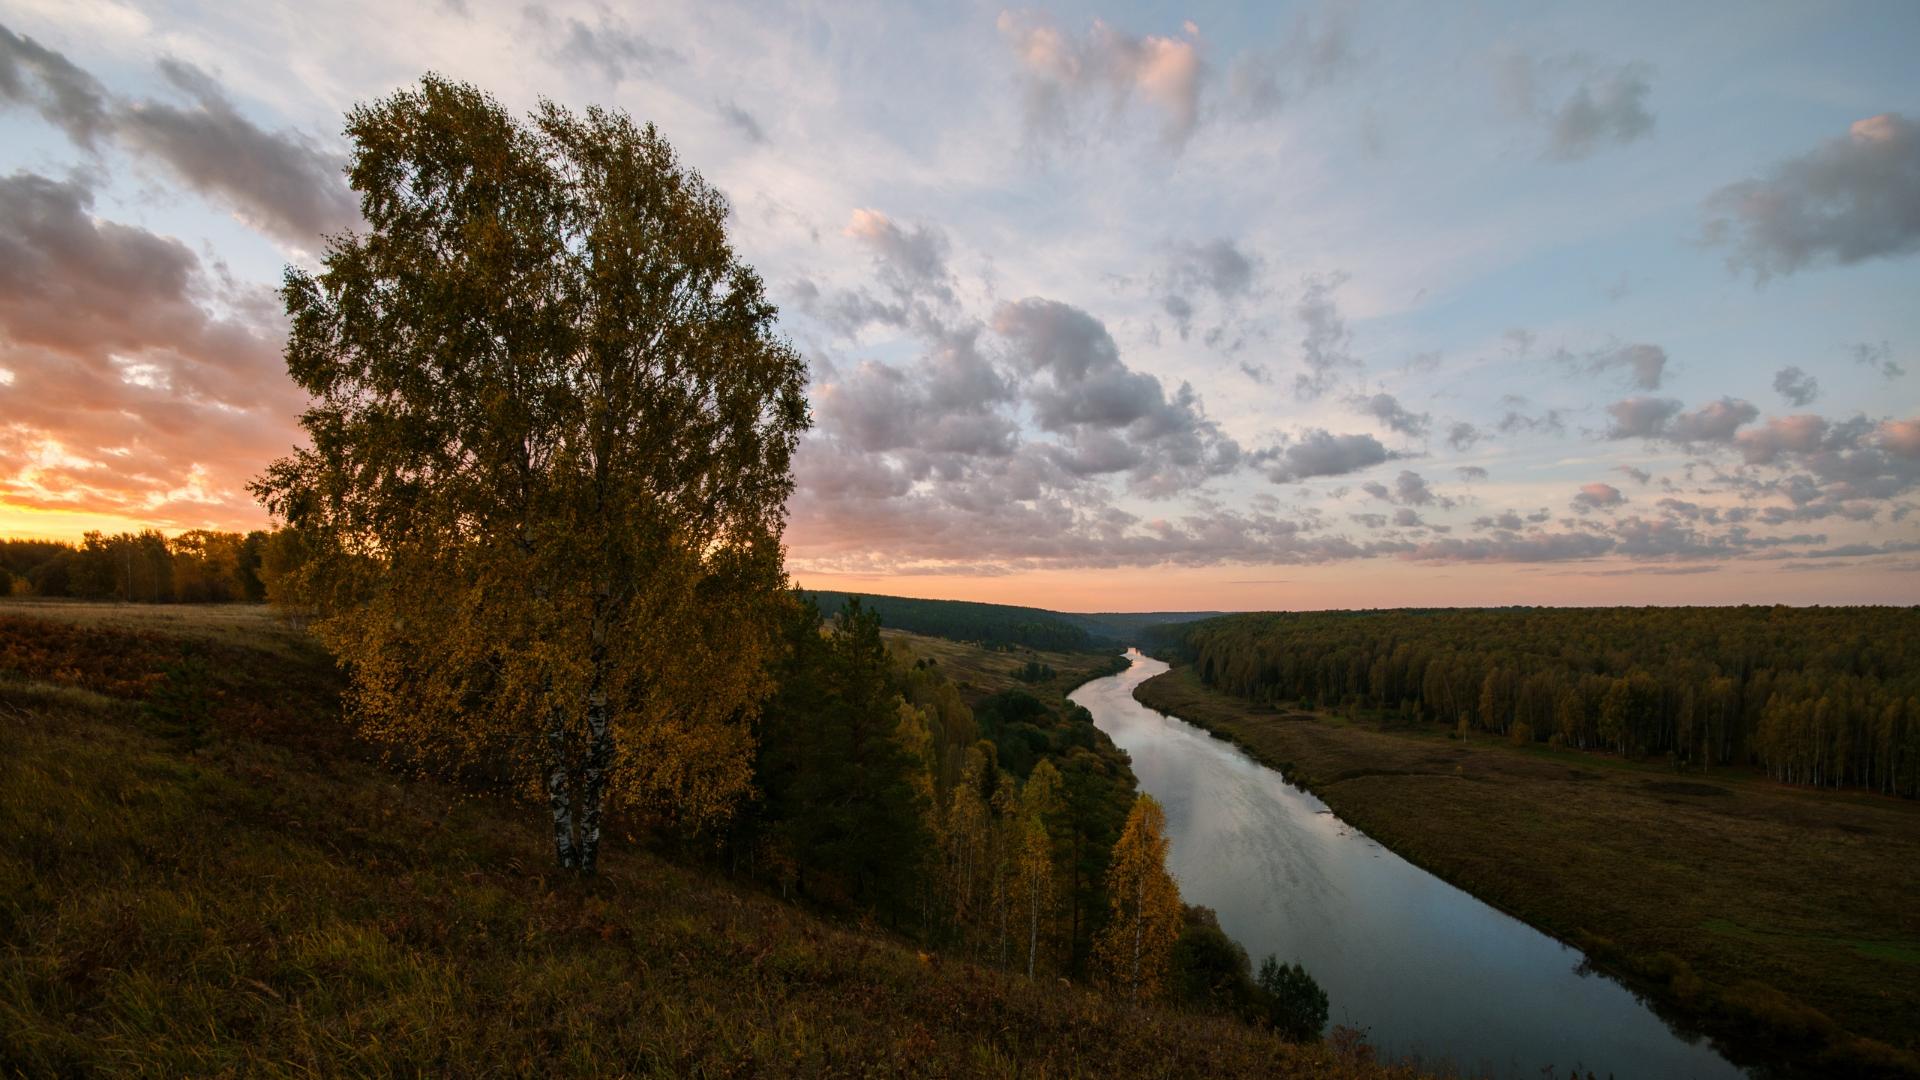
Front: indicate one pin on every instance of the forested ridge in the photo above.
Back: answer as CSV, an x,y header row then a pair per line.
x,y
1820,696
963,620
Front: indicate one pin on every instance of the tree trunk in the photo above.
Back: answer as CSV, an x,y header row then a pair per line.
x,y
560,791
593,787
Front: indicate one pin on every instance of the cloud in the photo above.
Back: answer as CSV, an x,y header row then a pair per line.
x,y
1462,435
1079,388
742,121
1326,348
1602,105
912,261
1641,417
126,395
1534,547
1470,473
1218,266
1879,357
1317,452
1317,53
1796,387
1644,365
1713,422
281,182
608,44
1064,74
65,96
1411,488
1597,496
1852,198
1388,410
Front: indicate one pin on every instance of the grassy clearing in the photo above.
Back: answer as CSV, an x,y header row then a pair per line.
x,y
279,904
1717,890
981,672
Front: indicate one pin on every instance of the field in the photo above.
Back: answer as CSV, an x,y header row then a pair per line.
x,y
979,672
1767,912
276,903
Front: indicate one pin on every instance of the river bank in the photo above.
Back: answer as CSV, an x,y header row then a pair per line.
x,y
1780,919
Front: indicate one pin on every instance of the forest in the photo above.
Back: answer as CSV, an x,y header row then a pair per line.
x,y
196,566
986,624
1825,696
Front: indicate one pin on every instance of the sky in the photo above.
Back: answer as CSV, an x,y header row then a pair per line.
x,y
1108,307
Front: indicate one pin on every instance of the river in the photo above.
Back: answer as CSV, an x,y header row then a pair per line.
x,y
1430,972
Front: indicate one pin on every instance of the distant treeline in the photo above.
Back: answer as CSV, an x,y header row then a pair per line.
x,y
199,566
1006,626
987,624
1821,696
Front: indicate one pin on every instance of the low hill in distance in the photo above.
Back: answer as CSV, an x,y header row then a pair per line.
x,y
1004,625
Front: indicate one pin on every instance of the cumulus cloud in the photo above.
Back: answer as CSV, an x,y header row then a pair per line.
x,y
1106,69
1318,452
1462,435
1470,473
1411,488
1580,106
1641,417
1713,422
1388,410
1597,496
1852,198
1663,418
1796,386
1078,387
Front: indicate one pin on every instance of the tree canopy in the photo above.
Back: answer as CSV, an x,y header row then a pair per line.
x,y
551,434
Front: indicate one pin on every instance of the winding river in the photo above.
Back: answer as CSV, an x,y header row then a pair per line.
x,y
1431,973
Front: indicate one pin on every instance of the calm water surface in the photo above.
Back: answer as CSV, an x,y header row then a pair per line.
x,y
1428,970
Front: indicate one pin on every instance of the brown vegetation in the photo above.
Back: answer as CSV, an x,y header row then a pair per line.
x,y
278,904
1782,915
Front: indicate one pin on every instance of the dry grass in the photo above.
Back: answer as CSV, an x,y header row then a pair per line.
x,y
1698,884
278,905
981,672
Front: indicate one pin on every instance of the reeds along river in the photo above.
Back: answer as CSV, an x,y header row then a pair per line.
x,y
1428,971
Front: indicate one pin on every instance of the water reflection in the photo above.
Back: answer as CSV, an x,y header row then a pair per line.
x,y
1431,972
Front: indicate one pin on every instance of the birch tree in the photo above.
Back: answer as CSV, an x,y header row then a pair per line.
x,y
1134,948
550,440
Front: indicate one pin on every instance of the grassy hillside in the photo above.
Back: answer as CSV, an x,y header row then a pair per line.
x,y
278,903
980,673
1784,917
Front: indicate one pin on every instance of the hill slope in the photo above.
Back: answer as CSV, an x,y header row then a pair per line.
x,y
278,903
